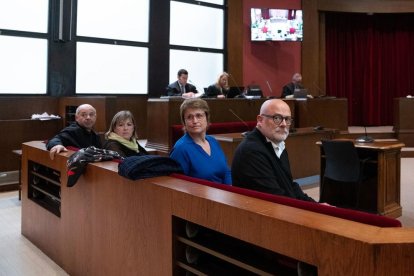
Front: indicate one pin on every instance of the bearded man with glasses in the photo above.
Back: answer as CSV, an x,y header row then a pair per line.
x,y
261,161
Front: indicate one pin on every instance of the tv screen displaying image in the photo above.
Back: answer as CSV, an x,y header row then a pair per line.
x,y
276,24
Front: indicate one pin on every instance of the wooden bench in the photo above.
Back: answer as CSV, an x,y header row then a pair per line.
x,y
110,225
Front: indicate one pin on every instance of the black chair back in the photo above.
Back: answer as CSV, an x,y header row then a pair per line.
x,y
342,161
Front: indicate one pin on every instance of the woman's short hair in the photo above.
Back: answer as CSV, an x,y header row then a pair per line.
x,y
120,117
194,103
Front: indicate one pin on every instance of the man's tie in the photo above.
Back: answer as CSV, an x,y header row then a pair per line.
x,y
182,89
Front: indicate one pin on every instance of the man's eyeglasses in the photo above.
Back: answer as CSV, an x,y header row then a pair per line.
x,y
278,119
197,116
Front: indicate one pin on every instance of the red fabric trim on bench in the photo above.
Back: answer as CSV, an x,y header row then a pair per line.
x,y
353,215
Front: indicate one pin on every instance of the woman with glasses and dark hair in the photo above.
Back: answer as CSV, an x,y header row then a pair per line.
x,y
199,155
122,135
261,161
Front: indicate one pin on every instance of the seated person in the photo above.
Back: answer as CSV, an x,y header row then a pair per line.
x,y
289,88
181,87
220,88
261,161
79,134
199,155
122,136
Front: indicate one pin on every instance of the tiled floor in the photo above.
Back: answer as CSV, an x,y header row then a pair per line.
x,y
19,257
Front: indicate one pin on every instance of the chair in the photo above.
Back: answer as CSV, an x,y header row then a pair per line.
x,y
342,164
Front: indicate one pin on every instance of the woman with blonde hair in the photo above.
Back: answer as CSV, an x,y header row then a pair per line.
x,y
220,88
122,136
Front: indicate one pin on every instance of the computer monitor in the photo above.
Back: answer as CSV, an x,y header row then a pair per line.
x,y
300,94
254,90
235,91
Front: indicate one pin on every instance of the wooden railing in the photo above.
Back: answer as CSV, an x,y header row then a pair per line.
x,y
110,225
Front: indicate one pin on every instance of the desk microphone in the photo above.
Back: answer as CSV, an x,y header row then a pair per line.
x,y
240,119
271,91
323,93
364,139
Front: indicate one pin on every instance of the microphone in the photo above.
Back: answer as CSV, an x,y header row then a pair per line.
x,y
323,94
240,119
364,139
271,91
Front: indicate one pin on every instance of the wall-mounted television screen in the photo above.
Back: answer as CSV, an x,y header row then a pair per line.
x,y
276,24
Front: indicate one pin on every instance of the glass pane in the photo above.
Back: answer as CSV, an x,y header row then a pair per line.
x,y
218,2
111,69
121,19
24,15
205,30
23,59
203,68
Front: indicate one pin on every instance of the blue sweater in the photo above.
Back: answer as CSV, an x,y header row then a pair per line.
x,y
197,163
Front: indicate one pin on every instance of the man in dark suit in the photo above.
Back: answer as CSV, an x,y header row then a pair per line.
x,y
181,87
261,161
296,83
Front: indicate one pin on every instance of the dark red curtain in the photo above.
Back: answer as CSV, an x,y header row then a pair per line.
x,y
370,61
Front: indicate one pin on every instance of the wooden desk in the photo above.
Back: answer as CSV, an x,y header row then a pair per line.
x,y
110,225
300,145
381,193
22,131
326,112
404,120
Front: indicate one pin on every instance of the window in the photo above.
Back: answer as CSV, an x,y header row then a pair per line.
x,y
197,47
109,69
24,15
23,66
203,69
23,46
206,28
122,19
117,60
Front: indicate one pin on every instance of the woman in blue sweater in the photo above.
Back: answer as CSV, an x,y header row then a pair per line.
x,y
199,155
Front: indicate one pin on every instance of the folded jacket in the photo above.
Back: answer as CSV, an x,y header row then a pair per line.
x,y
77,162
145,166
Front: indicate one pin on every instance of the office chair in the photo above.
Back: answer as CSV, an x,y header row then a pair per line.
x,y
342,164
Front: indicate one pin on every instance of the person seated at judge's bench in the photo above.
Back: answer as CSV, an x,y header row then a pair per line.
x,y
122,136
181,87
79,134
220,88
261,161
290,88
199,155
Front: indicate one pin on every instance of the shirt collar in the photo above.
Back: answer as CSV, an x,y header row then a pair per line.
x,y
277,147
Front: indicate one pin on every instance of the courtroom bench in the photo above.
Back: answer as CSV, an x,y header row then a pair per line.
x,y
110,225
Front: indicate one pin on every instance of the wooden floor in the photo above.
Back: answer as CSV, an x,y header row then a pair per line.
x,y
18,256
